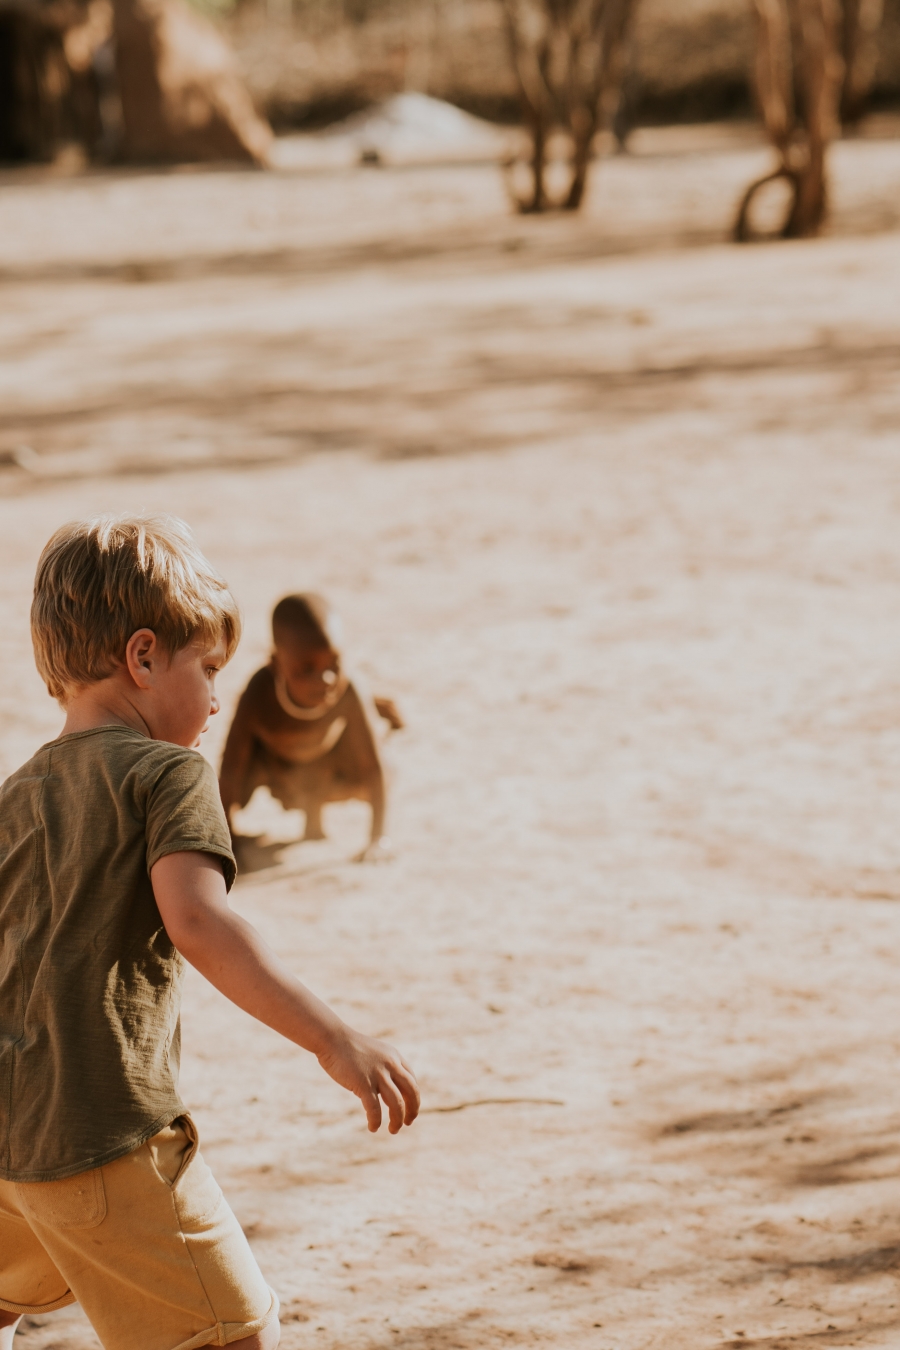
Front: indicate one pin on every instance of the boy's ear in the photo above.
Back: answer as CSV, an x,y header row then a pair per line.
x,y
141,656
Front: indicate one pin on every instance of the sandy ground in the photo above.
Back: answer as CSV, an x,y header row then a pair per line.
x,y
613,510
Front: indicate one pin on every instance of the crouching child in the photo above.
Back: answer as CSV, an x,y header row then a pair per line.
x,y
305,729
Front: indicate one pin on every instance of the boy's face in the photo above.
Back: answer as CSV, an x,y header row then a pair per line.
x,y
310,674
184,693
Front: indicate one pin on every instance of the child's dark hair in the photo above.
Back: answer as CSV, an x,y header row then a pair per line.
x,y
306,619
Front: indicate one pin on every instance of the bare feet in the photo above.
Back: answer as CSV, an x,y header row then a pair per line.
x,y
379,850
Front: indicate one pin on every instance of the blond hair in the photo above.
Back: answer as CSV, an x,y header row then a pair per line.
x,y
98,581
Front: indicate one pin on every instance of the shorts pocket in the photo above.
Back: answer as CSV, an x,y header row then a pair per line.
x,y
195,1190
172,1149
75,1202
197,1196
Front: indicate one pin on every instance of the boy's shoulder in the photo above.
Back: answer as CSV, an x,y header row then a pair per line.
x,y
113,788
115,751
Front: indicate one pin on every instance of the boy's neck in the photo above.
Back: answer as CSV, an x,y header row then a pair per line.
x,y
103,704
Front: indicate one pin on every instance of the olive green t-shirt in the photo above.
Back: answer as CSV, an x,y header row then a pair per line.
x,y
90,985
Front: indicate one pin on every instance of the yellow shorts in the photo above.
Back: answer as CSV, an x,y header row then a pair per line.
x,y
147,1245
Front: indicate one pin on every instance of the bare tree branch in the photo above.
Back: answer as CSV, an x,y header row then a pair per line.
x,y
813,57
566,57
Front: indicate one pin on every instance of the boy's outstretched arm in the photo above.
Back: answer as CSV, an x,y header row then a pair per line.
x,y
193,902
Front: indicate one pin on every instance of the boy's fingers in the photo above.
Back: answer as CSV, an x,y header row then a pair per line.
x,y
392,1100
407,1068
372,1107
409,1088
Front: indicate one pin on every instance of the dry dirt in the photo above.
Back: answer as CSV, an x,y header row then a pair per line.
x,y
612,508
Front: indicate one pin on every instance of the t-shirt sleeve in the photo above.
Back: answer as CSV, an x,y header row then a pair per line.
x,y
184,812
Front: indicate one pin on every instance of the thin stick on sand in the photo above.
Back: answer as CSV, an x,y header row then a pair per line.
x,y
492,1101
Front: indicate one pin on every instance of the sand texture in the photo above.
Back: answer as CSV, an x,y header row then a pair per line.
x,y
612,509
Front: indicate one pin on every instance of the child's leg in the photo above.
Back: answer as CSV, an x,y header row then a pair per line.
x,y
353,771
267,1339
29,1280
377,797
150,1249
313,813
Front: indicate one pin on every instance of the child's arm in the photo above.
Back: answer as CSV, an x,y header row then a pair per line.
x,y
361,733
193,902
387,708
236,757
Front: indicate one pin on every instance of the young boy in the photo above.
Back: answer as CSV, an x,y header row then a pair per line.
x,y
302,728
115,864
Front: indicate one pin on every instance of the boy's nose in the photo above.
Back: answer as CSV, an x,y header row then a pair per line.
x,y
213,706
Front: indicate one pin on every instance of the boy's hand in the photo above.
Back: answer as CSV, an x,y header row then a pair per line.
x,y
371,1070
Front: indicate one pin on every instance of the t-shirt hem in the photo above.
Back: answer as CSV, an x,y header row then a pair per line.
x,y
196,846
100,1160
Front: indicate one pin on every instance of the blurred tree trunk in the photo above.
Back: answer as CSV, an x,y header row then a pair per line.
x,y
567,58
35,82
814,62
24,130
859,47
167,89
183,98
